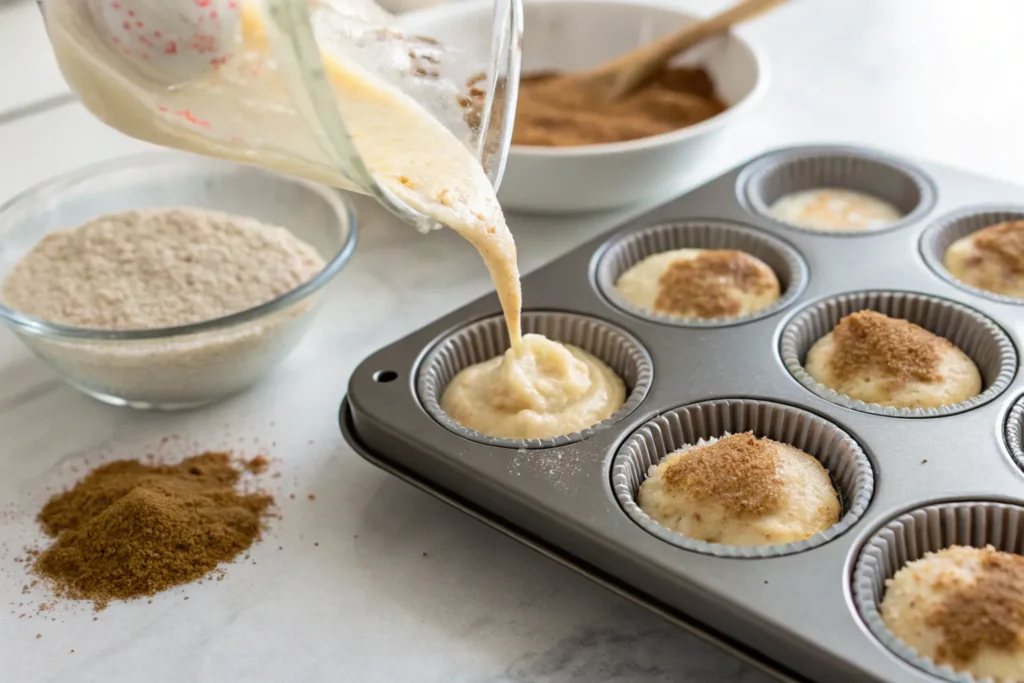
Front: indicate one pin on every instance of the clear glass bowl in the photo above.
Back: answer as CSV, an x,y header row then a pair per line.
x,y
186,366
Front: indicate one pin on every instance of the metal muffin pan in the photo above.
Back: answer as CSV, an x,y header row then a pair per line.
x,y
794,614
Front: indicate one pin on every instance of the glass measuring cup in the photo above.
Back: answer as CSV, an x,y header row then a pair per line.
x,y
260,81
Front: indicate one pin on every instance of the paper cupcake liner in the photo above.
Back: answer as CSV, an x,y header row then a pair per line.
x,y
907,538
976,335
844,459
938,238
625,251
1015,432
801,169
488,338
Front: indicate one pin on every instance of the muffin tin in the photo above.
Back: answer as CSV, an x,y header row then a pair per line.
x,y
801,611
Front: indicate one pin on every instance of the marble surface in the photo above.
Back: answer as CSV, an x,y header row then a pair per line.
x,y
373,580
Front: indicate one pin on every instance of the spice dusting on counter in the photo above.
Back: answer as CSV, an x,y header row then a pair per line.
x,y
130,529
674,99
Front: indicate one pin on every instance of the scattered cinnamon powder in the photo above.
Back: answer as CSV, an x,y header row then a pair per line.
x,y
707,286
257,465
869,339
567,117
987,613
1005,241
739,471
130,529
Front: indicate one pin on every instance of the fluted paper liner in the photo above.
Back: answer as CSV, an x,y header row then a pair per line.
x,y
625,251
976,335
874,174
488,338
844,459
1015,432
940,236
907,538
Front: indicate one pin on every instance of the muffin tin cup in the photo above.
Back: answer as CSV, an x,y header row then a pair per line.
x,y
941,235
625,251
837,451
981,339
485,339
907,538
873,174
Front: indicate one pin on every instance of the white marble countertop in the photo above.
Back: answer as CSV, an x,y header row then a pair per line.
x,y
376,581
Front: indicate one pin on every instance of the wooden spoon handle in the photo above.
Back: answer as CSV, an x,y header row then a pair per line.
x,y
633,68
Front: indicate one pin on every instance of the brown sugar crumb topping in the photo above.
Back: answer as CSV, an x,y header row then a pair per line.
x,y
706,286
1005,241
987,613
869,339
740,471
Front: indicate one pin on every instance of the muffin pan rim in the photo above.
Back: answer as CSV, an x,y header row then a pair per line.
x,y
852,511
606,287
949,221
793,363
868,609
429,398
750,200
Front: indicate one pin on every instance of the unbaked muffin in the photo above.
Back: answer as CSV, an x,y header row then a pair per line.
x,y
873,358
700,283
962,607
834,209
741,490
991,259
540,390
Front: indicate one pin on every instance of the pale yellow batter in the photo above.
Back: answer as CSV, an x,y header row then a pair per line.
x,y
876,359
834,209
540,390
741,490
991,259
963,607
700,283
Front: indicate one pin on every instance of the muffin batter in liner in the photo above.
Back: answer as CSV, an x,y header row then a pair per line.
x,y
848,466
977,336
488,338
810,168
940,236
625,251
907,538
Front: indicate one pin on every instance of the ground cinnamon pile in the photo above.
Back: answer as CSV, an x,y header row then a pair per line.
x,y
740,472
1005,241
901,349
709,285
988,613
130,529
567,117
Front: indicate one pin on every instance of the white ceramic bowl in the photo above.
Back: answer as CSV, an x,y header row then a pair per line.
x,y
571,35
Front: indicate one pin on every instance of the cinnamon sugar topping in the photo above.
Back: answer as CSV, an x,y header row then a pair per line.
x,y
708,286
868,340
738,471
988,613
1005,241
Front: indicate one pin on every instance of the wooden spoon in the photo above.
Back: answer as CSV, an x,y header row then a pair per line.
x,y
615,79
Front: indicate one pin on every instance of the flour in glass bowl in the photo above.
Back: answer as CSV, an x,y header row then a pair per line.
x,y
148,270
142,270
